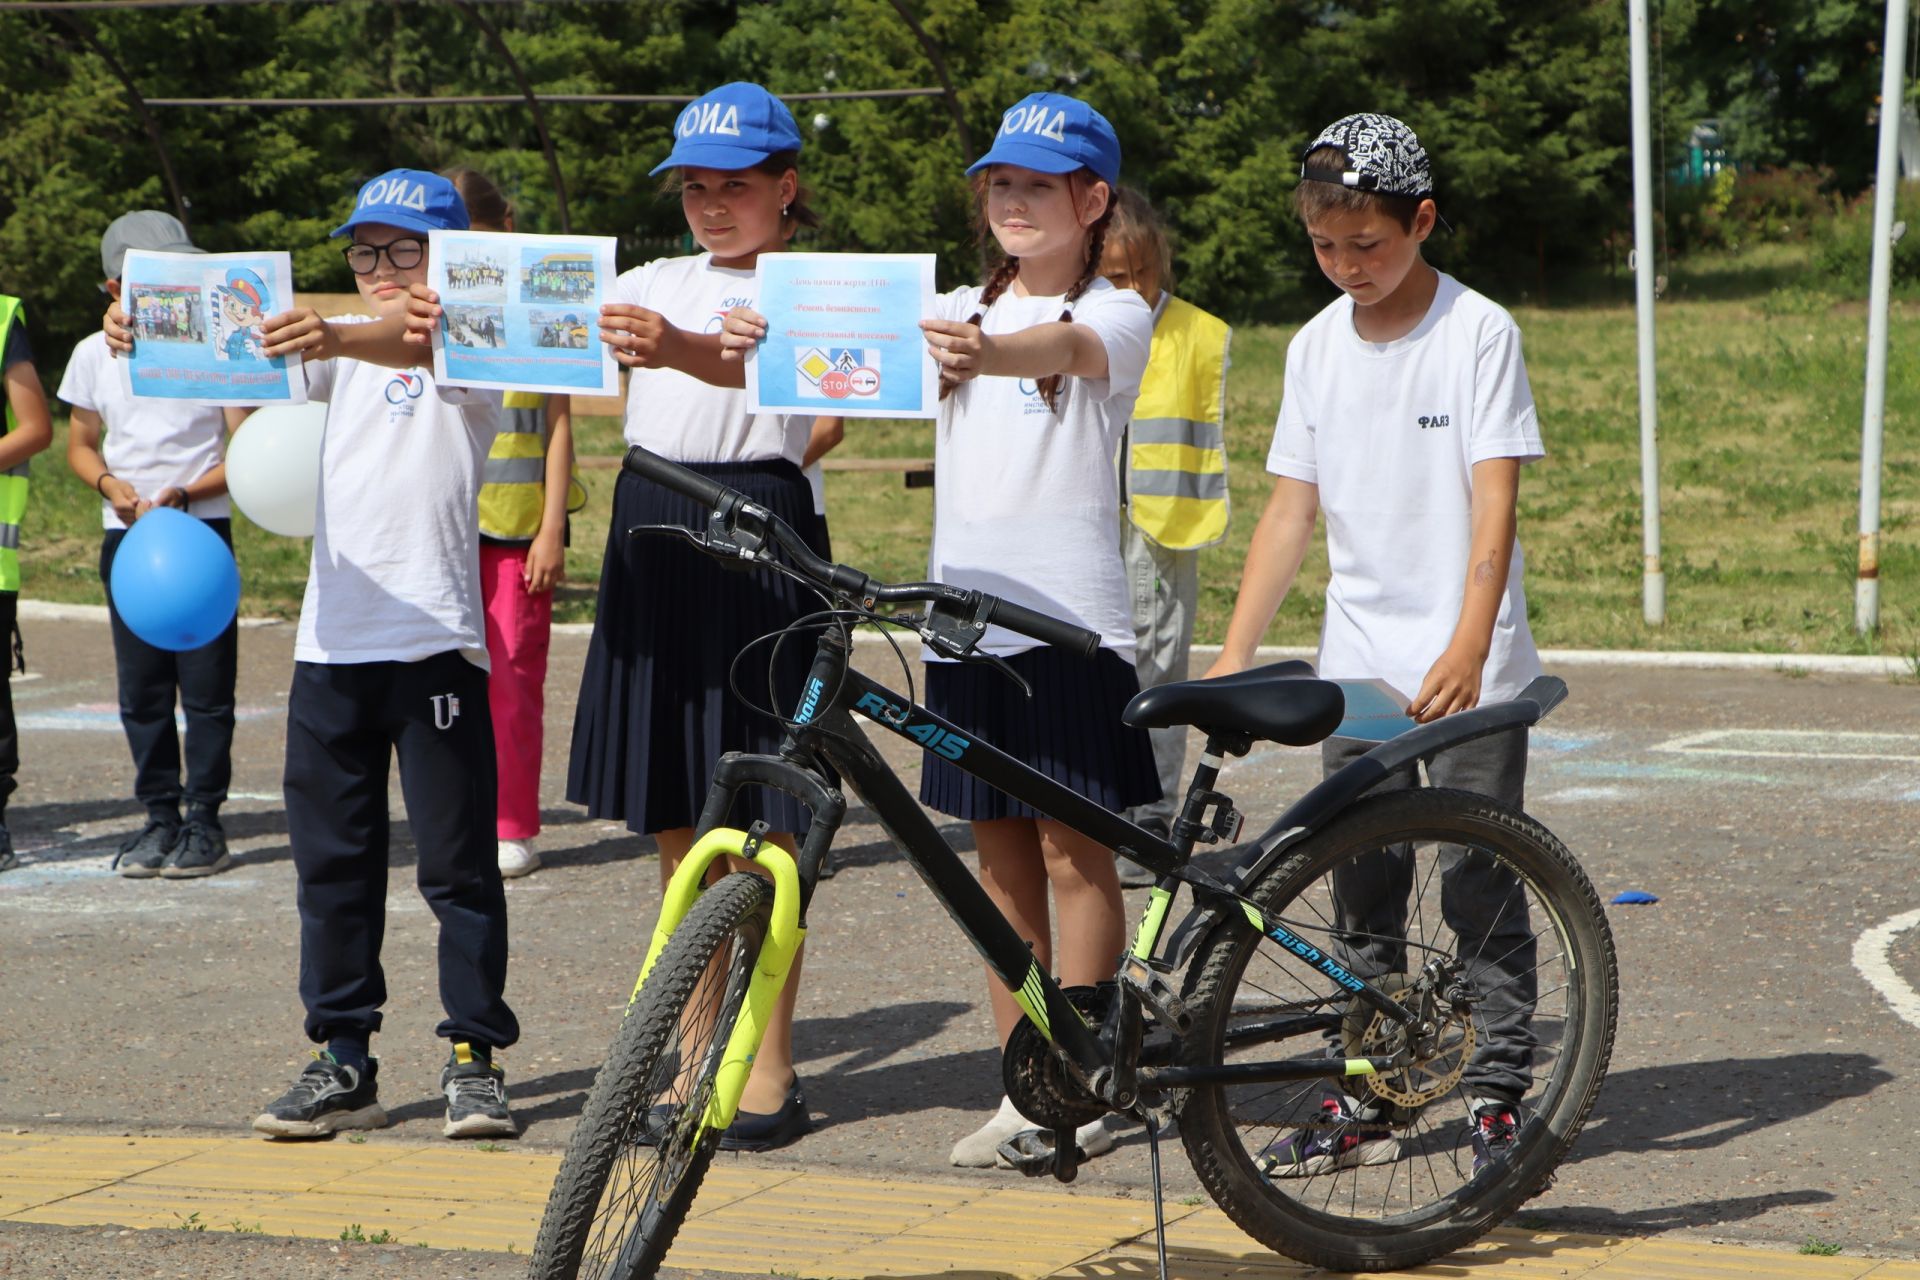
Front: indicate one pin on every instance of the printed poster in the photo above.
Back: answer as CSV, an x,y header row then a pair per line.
x,y
522,311
196,327
843,336
1376,711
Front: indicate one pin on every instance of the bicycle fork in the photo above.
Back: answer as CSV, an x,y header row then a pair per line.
x,y
785,933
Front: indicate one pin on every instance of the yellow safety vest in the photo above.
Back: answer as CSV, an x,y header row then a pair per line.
x,y
13,484
1176,443
513,483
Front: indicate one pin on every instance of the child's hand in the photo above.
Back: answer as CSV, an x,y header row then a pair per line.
x,y
1224,666
641,339
119,332
120,495
960,349
299,332
546,565
423,315
1452,685
741,332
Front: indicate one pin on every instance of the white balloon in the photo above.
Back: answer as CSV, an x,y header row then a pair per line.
x,y
273,467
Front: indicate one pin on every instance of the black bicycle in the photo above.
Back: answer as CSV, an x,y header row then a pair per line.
x,y
1323,1074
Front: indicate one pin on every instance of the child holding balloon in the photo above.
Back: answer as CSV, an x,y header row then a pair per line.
x,y
158,453
391,659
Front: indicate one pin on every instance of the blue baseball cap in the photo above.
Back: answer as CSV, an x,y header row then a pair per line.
x,y
1053,133
734,127
411,199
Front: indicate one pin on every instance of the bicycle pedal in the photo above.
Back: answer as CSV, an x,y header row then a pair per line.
x,y
1157,994
1028,1152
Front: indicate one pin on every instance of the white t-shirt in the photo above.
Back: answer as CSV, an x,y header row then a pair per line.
x,y
150,444
1026,500
678,416
396,544
1389,433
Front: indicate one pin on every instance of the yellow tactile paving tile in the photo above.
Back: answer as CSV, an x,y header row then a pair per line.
x,y
754,1219
1684,1260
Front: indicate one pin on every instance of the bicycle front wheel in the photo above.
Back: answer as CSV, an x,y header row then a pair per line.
x,y
1469,913
639,1151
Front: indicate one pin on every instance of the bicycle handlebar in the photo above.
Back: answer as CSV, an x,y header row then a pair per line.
x,y
729,505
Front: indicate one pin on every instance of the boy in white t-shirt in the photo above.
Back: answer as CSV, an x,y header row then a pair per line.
x,y
158,453
1406,418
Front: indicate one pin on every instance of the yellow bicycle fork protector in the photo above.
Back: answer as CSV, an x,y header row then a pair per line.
x,y
784,936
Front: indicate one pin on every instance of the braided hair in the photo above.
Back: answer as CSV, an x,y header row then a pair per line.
x,y
1008,268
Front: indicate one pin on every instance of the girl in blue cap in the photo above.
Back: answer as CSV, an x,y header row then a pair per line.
x,y
1039,368
655,710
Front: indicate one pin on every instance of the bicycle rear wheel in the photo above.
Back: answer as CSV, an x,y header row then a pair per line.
x,y
1501,944
638,1153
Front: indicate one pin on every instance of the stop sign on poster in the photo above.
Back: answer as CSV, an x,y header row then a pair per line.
x,y
836,384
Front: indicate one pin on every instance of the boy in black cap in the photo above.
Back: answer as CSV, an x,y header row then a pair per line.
x,y
1406,418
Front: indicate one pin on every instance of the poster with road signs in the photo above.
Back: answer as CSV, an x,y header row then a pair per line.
x,y
843,336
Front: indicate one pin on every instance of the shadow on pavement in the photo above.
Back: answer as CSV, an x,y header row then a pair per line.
x,y
1670,1217
1695,1106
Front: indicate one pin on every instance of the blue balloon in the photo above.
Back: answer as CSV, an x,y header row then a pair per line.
x,y
175,584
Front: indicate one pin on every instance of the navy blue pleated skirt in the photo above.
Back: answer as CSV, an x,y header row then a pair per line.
x,y
1069,730
655,709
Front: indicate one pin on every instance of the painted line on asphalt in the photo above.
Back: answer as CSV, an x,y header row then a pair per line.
x,y
1870,958
1797,744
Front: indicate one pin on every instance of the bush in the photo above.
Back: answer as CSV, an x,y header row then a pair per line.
x,y
1734,209
1844,249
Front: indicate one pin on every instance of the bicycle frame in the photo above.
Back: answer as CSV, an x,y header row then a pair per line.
x,y
825,730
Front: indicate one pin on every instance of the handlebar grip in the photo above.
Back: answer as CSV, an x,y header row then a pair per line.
x,y
707,492
1046,629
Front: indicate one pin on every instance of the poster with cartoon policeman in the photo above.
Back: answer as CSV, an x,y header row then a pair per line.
x,y
196,324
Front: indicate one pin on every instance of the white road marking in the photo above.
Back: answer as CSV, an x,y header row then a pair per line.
x,y
1870,958
1797,744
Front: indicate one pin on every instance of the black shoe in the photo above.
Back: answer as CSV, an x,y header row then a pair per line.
x,y
476,1097
326,1098
8,858
753,1131
141,856
201,850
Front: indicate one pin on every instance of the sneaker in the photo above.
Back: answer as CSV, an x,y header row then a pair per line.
x,y
981,1148
141,856
1340,1139
201,850
476,1097
517,859
8,858
1495,1131
328,1097
1132,874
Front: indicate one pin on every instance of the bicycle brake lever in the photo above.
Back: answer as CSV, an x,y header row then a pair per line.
x,y
1005,670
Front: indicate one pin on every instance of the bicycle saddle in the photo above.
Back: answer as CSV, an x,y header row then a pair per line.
x,y
1284,703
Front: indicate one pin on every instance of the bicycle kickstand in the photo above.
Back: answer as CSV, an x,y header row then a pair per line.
x,y
1159,1213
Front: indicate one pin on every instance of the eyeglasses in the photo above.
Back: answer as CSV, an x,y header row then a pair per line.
x,y
364,259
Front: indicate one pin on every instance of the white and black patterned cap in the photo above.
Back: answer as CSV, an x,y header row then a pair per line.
x,y
1384,157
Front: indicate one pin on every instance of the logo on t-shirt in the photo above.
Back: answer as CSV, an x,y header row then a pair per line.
x,y
1031,401
404,387
718,319
1431,421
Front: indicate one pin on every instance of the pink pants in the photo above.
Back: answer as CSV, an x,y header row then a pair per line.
x,y
518,629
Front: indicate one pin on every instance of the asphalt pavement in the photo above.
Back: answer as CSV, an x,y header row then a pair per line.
x,y
1768,1016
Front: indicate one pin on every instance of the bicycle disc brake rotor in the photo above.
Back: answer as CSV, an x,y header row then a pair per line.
x,y
1036,1079
1369,1034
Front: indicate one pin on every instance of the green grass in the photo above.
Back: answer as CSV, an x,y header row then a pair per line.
x,y
1760,405
1819,1248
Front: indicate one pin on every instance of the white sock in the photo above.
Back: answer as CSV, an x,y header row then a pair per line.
x,y
978,1149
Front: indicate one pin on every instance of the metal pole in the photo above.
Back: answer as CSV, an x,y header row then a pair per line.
x,y
1653,591
1886,185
